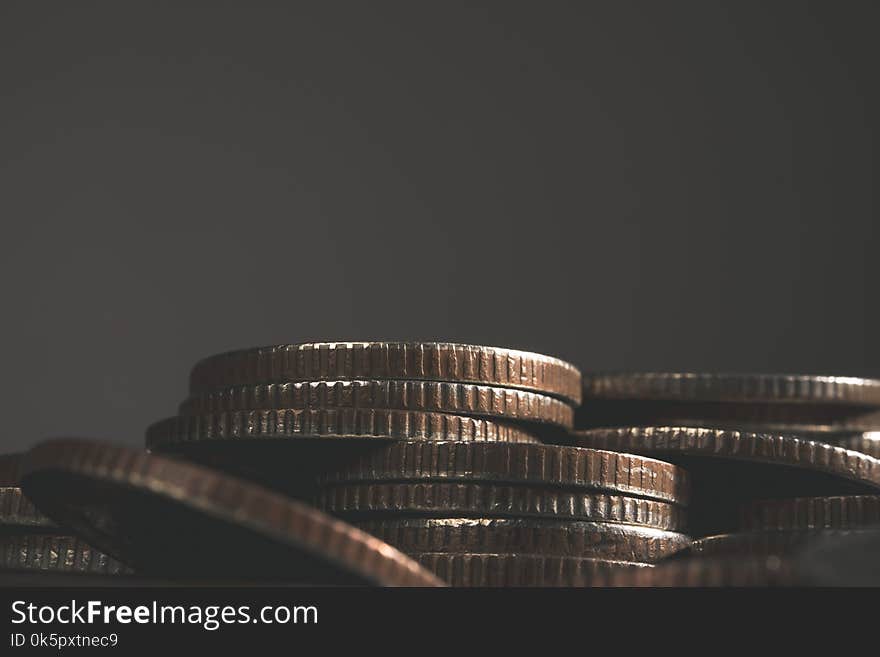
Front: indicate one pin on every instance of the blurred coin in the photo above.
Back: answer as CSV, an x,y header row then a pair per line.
x,y
766,543
169,517
707,572
839,512
493,570
425,361
53,553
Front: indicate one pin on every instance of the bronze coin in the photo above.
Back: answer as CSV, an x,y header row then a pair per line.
x,y
424,361
709,387
528,536
425,396
543,465
163,516
706,572
838,512
331,423
836,463
522,570
767,543
495,501
53,553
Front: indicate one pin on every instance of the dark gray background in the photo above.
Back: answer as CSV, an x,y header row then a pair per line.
x,y
651,185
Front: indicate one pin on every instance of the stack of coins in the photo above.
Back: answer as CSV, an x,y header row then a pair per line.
x,y
514,514
283,415
777,461
31,543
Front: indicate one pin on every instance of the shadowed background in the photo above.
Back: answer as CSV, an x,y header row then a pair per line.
x,y
629,186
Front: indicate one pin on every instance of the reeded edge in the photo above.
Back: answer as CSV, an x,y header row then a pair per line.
x,y
544,465
706,572
344,423
807,513
564,377
16,510
450,398
732,387
56,554
482,570
739,445
225,498
489,500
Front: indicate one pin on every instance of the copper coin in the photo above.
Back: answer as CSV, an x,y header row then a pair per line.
x,y
425,396
838,512
522,570
766,543
495,501
528,536
424,361
16,510
332,423
543,465
711,387
53,553
707,572
166,516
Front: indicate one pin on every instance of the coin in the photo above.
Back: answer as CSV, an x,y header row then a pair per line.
x,y
60,554
332,423
424,361
545,465
764,543
491,570
779,450
487,500
165,516
440,397
15,509
528,536
706,572
840,512
774,417
762,388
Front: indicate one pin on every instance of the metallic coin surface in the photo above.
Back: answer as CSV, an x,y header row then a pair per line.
x,y
544,465
528,536
768,388
163,516
424,361
779,450
707,572
332,423
429,396
59,554
767,543
16,510
495,501
493,570
839,512
782,417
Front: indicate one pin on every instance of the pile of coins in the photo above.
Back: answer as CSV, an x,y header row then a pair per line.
x,y
423,464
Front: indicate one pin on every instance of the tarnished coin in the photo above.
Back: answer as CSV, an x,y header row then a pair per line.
x,y
760,388
52,553
332,423
766,543
778,450
603,540
166,516
493,501
492,570
424,361
544,465
839,512
706,572
426,396
867,442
